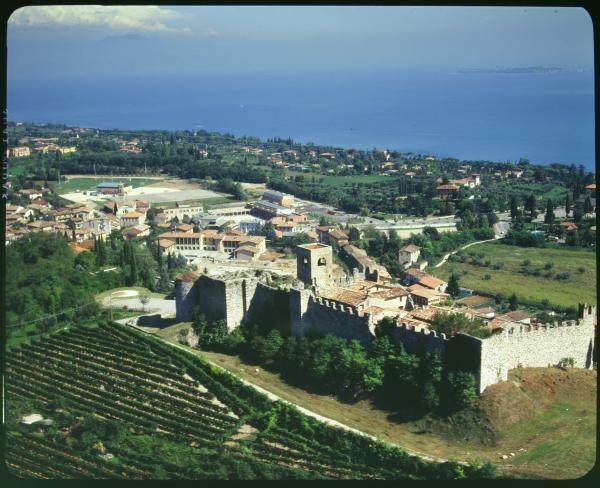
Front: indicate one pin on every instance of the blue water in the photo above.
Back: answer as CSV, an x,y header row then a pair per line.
x,y
543,117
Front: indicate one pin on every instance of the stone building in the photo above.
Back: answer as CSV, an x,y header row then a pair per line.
x,y
409,255
313,264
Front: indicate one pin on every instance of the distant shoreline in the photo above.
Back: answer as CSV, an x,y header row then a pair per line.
x,y
528,70
437,154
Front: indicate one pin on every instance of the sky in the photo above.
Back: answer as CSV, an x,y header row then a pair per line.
x,y
58,42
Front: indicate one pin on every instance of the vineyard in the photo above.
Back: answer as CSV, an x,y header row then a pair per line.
x,y
126,405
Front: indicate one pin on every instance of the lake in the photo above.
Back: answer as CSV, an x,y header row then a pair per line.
x,y
545,118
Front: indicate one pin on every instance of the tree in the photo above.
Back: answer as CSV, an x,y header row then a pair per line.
x,y
461,389
354,234
568,204
265,348
144,300
453,286
514,207
513,302
578,213
587,206
530,206
549,217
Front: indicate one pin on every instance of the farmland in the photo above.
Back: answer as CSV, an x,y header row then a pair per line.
x,y
125,405
579,286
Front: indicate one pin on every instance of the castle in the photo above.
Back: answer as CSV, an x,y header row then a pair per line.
x,y
351,306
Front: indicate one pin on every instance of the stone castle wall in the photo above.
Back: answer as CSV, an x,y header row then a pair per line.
x,y
420,339
321,316
248,300
185,299
234,301
534,346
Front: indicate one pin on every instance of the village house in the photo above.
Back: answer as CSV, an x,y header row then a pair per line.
x,y
211,240
30,193
140,230
229,209
132,218
415,276
330,234
267,210
278,198
568,226
447,191
179,211
409,255
110,188
425,297
20,152
40,226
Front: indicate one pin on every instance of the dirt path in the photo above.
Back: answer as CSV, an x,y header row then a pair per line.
x,y
445,258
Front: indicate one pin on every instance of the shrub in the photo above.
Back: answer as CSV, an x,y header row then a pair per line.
x,y
526,262
549,265
581,269
487,277
565,363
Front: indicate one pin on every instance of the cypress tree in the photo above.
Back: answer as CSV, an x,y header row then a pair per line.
x,y
549,217
568,204
453,286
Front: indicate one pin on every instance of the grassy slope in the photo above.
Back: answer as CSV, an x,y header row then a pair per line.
x,y
579,287
556,443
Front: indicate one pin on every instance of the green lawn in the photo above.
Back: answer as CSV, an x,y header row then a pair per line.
x,y
345,180
580,287
85,183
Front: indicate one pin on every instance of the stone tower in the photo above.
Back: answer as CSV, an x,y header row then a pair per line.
x,y
184,296
313,264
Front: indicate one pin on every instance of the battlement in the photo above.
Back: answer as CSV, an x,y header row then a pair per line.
x,y
517,330
421,330
339,307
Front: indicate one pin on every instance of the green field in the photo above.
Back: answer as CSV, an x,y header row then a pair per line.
x,y
580,287
346,180
84,183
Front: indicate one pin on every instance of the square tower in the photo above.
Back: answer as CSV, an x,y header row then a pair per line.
x,y
313,264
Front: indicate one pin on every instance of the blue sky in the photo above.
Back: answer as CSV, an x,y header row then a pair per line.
x,y
91,41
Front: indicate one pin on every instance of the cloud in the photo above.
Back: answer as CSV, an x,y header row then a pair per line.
x,y
212,32
141,18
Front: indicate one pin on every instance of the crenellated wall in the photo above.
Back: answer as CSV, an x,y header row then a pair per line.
x,y
322,316
420,339
534,346
247,299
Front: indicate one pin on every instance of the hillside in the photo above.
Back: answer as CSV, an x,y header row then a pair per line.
x,y
546,417
125,405
578,287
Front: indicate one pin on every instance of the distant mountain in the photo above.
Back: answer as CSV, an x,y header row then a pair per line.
x,y
531,69
123,37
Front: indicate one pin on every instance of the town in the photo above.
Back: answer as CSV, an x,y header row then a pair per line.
x,y
399,246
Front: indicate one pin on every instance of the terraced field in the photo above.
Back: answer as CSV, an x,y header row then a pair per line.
x,y
125,405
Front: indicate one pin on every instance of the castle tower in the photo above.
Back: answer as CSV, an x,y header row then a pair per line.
x,y
587,313
184,296
313,264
